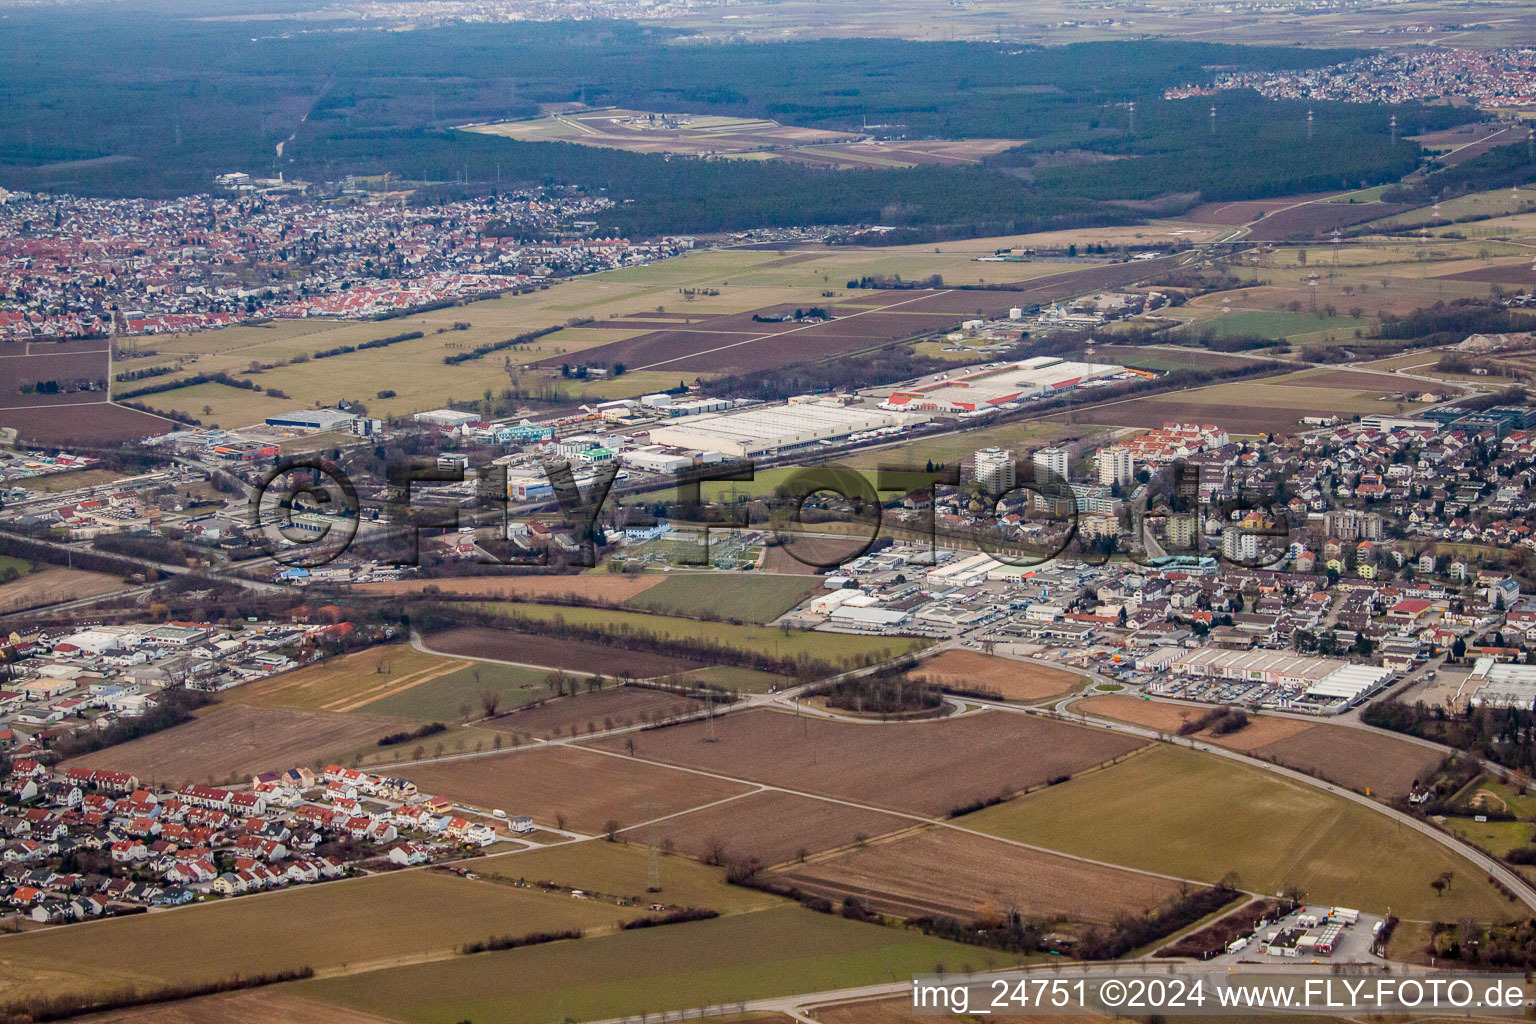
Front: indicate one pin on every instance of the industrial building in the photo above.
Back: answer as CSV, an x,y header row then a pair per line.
x,y
780,428
1498,685
1320,678
994,386
312,419
445,418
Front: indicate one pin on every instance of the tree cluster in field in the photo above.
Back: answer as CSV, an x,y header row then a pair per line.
x,y
144,374
882,693
1216,936
895,282
499,942
1221,722
481,351
397,738
682,916
1453,320
149,548
1128,932
393,339
63,1007
1509,944
219,377
979,804
1500,167
93,561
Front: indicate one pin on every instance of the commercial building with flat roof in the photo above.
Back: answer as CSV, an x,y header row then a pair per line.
x,y
1350,683
992,386
1500,685
312,419
446,418
1320,678
779,428
1279,668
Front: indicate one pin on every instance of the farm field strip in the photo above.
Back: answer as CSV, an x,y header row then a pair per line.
x,y
329,684
1011,678
1186,812
534,651
231,742
395,687
884,766
731,959
335,927
440,776
762,640
910,818
620,869
956,874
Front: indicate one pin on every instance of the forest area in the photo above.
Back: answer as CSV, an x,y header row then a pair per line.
x,y
133,104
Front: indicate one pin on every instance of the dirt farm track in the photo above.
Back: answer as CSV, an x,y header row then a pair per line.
x,y
903,767
942,871
571,655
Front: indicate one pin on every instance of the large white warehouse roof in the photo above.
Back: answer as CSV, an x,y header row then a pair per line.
x,y
997,385
763,430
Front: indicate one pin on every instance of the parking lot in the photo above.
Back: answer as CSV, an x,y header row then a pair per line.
x,y
1352,944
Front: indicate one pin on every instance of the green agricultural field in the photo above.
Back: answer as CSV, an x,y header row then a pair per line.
x,y
833,647
745,597
1365,195
415,370
744,680
762,484
74,480
444,699
18,565
730,959
1198,816
227,407
1523,805
1497,837
1497,203
1270,324
326,926
620,869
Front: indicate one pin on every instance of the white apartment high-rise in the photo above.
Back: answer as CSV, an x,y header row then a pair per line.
x,y
1240,545
1182,532
995,470
1057,460
1115,465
